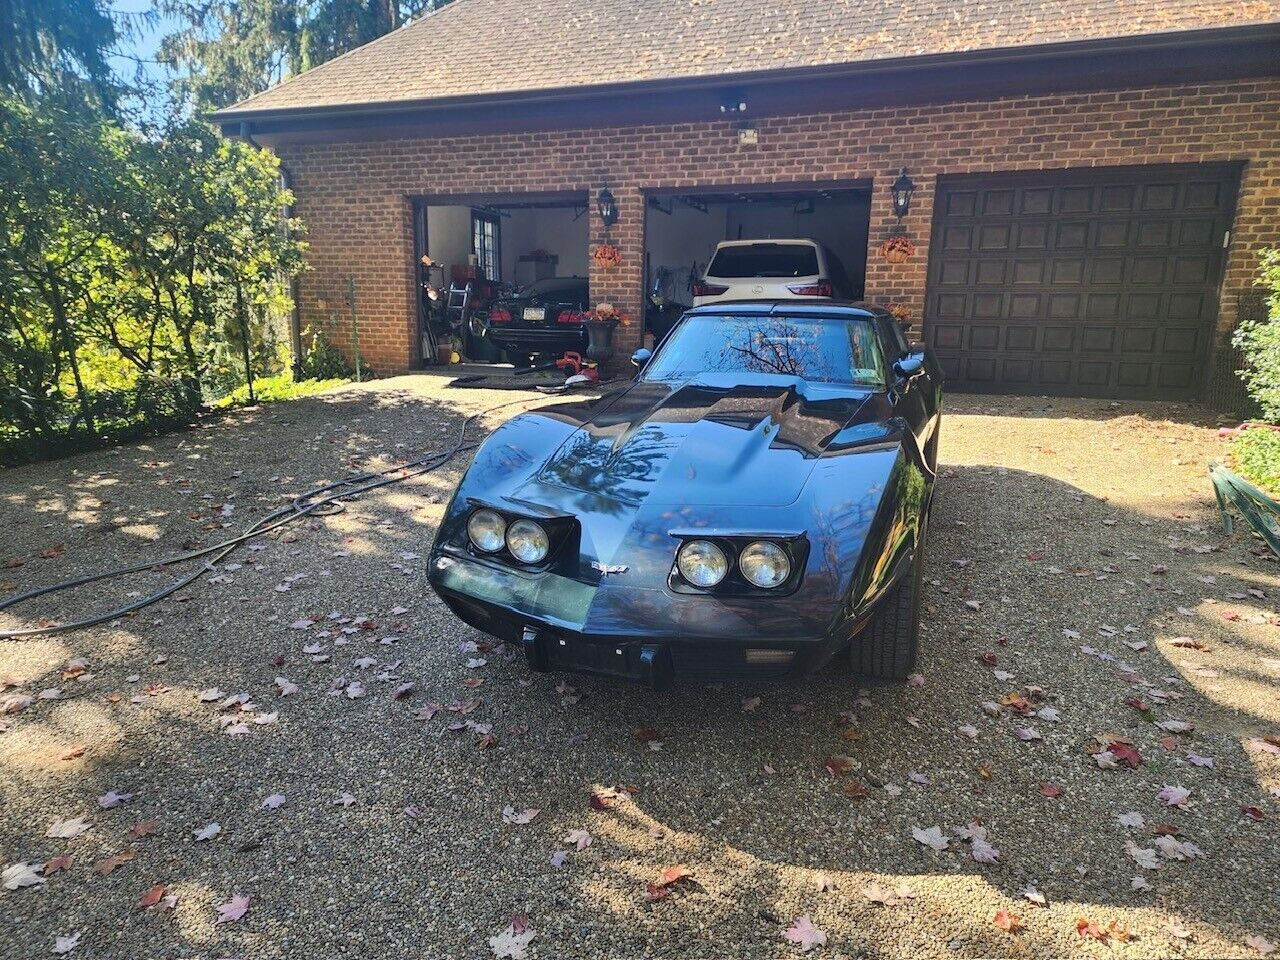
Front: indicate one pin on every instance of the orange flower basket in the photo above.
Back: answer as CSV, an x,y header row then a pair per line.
x,y
898,249
607,255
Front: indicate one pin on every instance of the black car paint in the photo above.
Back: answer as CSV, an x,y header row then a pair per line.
x,y
547,337
842,468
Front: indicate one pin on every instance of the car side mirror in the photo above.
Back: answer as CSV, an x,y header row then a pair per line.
x,y
640,358
909,367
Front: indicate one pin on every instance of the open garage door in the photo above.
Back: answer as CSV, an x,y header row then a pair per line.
x,y
683,226
1079,282
486,248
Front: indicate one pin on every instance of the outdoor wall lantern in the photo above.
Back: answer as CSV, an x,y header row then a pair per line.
x,y
607,207
902,189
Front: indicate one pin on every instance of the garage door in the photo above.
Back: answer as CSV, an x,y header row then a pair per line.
x,y
1082,283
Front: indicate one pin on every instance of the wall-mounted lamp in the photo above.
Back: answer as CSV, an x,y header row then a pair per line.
x,y
607,207
902,189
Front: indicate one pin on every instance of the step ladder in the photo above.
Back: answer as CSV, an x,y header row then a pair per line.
x,y
457,304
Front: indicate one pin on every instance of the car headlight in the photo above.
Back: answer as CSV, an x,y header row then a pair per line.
x,y
765,564
702,563
487,530
527,541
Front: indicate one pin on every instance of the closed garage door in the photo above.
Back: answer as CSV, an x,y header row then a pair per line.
x,y
1082,283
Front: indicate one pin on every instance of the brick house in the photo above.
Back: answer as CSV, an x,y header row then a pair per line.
x,y
1093,182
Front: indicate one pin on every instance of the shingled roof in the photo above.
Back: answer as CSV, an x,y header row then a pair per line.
x,y
497,48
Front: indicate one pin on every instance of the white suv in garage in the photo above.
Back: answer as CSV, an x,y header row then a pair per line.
x,y
771,270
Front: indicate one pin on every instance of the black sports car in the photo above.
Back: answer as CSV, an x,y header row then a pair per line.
x,y
754,502
543,320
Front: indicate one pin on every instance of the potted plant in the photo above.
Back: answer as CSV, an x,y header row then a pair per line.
x,y
600,324
897,249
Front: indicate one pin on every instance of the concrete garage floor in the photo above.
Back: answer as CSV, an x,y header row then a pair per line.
x,y
1059,526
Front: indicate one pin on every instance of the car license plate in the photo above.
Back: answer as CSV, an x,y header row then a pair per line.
x,y
535,313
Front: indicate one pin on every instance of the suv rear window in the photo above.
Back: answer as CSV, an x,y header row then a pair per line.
x,y
765,260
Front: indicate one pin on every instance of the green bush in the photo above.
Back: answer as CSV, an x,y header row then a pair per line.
x,y
277,388
1256,455
321,360
1260,341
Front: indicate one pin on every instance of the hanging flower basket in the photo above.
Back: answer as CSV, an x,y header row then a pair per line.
x,y
898,249
607,256
902,313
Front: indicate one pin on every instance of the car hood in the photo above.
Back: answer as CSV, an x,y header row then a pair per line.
x,y
722,442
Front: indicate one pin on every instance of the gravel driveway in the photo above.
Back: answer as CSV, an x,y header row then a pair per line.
x,y
1081,592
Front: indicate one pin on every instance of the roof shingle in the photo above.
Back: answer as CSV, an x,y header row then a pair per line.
x,y
474,48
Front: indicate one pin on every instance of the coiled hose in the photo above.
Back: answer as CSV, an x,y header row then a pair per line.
x,y
321,501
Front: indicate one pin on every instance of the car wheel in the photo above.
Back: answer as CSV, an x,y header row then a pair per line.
x,y
886,648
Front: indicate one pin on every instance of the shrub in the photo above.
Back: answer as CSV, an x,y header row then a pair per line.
x,y
1256,455
1260,342
321,360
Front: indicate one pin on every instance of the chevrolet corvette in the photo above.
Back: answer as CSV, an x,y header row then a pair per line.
x,y
754,503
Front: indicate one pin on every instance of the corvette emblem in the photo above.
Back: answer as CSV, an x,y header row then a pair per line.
x,y
605,569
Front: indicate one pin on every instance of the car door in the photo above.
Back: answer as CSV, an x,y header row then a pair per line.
x,y
914,397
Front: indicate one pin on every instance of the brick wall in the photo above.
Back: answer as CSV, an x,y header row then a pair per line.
x,y
354,196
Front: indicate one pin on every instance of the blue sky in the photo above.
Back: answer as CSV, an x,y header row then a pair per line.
x,y
143,47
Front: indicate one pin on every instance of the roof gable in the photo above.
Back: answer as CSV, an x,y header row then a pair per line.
x,y
494,48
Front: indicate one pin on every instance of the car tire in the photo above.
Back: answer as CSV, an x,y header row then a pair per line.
x,y
887,647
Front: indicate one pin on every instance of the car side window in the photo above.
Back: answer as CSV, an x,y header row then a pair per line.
x,y
898,337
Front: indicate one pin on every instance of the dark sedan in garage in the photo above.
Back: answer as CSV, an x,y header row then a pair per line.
x,y
542,320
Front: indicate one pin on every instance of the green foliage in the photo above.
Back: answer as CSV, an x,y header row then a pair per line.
x,y
135,274
1256,456
232,49
55,47
1260,342
321,360
282,386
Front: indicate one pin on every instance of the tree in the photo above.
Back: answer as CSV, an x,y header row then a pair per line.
x,y
55,47
130,268
232,49
1260,342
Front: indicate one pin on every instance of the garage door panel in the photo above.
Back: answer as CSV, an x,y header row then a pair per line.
x,y
1100,282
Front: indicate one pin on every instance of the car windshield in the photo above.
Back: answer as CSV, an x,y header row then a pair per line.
x,y
764,260
842,351
556,286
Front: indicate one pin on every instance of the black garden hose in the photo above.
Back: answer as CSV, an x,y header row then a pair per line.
x,y
320,501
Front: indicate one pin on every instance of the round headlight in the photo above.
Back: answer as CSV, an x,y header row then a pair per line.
x,y
486,530
702,563
765,564
527,541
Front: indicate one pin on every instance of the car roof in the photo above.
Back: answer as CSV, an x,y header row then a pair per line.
x,y
765,241
816,307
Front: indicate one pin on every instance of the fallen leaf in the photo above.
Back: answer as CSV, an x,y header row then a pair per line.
x,y
513,942
58,864
233,909
68,829
1260,943
273,802
674,874
1174,796
18,875
1050,789
804,934
67,943
933,837
112,863
510,815
207,832
150,898
579,838
1008,922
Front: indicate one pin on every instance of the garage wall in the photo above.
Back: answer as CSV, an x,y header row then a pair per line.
x,y
679,240
449,236
354,195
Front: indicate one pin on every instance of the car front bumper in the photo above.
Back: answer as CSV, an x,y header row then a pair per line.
x,y
559,637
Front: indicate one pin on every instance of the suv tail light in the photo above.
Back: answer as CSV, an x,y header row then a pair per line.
x,y
820,289
570,316
708,290
498,315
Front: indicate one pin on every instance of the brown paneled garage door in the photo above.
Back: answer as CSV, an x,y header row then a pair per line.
x,y
1083,283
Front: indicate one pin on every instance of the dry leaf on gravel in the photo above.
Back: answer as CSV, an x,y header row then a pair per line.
x,y
804,934
233,909
1006,921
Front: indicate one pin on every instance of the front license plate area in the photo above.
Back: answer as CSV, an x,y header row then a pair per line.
x,y
535,313
572,653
